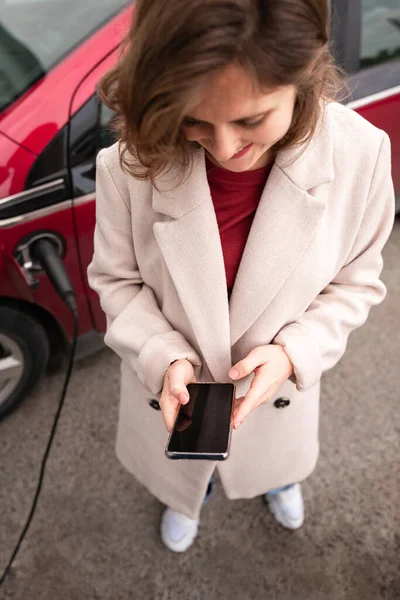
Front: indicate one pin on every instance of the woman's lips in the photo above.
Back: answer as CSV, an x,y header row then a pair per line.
x,y
242,152
235,156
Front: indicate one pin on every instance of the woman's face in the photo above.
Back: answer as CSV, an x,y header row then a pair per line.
x,y
236,125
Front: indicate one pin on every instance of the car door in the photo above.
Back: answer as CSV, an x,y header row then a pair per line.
x,y
89,132
367,41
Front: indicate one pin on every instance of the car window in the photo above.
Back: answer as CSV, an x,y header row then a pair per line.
x,y
36,34
90,130
380,33
106,135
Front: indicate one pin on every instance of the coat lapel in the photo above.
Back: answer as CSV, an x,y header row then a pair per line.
x,y
191,247
284,224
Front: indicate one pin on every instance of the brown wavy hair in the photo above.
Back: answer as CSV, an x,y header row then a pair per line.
x,y
174,45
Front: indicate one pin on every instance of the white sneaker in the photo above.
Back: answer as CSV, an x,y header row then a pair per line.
x,y
287,507
178,532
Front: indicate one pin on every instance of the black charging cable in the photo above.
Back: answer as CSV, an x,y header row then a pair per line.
x,y
45,253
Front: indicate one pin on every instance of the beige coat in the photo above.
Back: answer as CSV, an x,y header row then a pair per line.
x,y
308,277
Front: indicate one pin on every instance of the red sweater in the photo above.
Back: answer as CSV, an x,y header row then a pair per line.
x,y
235,197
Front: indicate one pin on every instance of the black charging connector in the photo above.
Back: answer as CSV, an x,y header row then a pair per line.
x,y
46,254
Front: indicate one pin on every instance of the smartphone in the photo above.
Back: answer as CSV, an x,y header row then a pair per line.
x,y
203,426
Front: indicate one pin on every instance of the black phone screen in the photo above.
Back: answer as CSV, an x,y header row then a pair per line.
x,y
203,424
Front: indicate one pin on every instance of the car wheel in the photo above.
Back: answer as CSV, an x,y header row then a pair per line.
x,y
24,352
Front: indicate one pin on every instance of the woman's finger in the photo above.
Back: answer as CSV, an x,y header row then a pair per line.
x,y
174,391
258,389
245,408
236,404
169,407
179,374
256,358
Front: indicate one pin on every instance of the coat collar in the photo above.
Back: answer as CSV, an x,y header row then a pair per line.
x,y
306,166
285,221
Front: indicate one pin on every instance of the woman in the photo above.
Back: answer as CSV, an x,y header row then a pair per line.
x,y
240,223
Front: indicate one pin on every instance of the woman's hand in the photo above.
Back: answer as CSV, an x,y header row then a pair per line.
x,y
174,393
272,367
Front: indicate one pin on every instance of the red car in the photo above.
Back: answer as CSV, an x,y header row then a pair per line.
x,y
52,124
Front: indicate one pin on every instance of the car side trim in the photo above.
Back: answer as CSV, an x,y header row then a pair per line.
x,y
85,199
36,214
34,191
43,212
354,104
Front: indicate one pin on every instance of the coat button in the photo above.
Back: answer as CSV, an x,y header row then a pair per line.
x,y
282,402
155,404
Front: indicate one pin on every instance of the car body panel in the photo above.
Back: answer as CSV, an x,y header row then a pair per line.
x,y
14,283
15,164
85,217
49,105
59,221
380,112
42,111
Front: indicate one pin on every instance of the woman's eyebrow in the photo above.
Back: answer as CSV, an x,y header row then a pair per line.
x,y
236,121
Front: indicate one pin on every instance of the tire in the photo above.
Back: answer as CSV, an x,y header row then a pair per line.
x,y
24,353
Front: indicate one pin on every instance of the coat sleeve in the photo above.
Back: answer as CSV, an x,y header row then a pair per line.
x,y
318,339
136,329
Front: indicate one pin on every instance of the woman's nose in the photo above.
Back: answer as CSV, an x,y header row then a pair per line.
x,y
225,143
